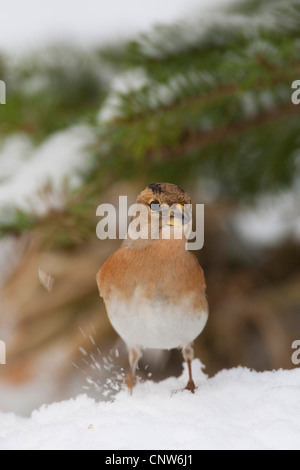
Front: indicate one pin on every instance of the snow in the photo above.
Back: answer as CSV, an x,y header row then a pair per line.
x,y
132,81
122,84
236,409
89,23
272,219
155,94
26,170
14,152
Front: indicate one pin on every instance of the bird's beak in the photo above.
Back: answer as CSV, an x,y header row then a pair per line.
x,y
179,216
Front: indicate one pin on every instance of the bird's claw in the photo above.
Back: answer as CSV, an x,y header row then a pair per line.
x,y
191,386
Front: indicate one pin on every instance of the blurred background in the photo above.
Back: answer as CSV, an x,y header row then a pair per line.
x,y
101,101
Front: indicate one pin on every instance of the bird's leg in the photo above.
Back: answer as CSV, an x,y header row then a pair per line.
x,y
188,355
134,356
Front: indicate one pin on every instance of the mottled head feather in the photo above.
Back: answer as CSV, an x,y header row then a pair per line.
x,y
164,193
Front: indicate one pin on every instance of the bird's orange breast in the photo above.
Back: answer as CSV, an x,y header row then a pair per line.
x,y
160,269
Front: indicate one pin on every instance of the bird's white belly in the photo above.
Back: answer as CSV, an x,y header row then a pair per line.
x,y
154,323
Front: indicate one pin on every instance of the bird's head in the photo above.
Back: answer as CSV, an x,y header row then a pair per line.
x,y
167,211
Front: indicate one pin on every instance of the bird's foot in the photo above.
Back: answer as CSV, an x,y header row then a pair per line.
x,y
191,386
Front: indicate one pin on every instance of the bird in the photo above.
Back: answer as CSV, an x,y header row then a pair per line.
x,y
153,288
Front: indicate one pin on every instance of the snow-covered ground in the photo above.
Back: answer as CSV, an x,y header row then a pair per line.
x,y
236,409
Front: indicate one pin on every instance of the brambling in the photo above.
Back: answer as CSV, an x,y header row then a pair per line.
x,y
153,288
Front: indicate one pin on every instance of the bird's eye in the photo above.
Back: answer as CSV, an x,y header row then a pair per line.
x,y
154,205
